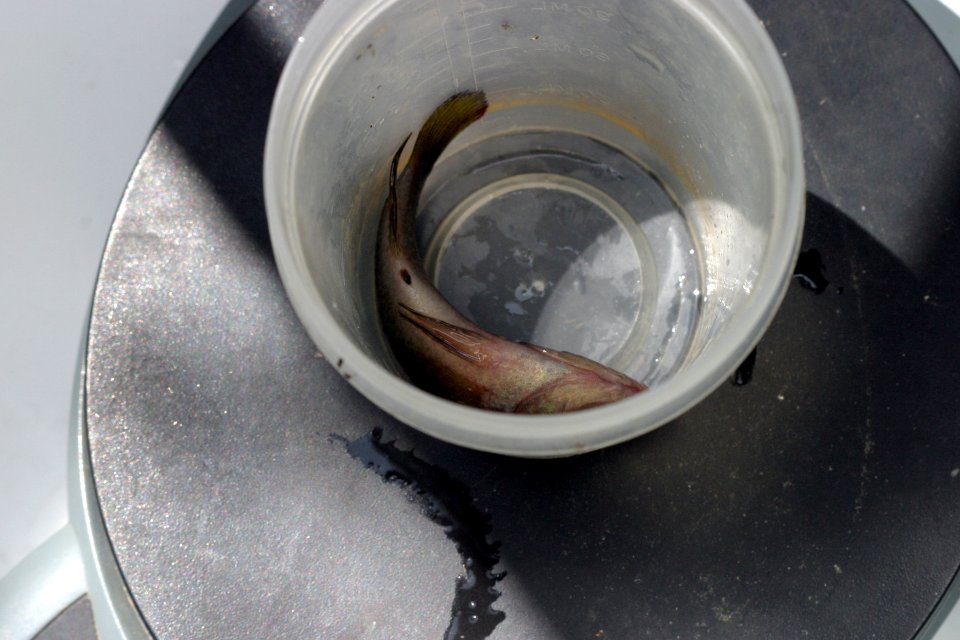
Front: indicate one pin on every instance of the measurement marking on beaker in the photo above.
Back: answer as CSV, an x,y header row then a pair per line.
x,y
434,67
584,11
423,7
446,44
481,11
492,51
433,46
420,43
478,27
428,76
482,40
556,46
473,68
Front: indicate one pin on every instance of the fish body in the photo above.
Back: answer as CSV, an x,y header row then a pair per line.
x,y
441,350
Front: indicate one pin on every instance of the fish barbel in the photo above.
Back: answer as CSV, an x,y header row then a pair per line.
x,y
440,349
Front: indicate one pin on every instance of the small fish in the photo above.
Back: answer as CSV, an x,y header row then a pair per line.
x,y
441,350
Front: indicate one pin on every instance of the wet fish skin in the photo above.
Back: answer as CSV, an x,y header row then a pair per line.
x,y
441,350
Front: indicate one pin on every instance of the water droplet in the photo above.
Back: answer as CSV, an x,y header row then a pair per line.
x,y
809,271
744,372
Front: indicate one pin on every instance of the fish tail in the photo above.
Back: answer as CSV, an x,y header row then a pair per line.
x,y
447,120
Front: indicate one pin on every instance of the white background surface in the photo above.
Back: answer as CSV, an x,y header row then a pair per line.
x,y
81,87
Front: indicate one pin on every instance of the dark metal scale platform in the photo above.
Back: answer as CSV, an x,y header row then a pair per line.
x,y
821,500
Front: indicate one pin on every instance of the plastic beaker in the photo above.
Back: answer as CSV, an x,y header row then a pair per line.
x,y
634,193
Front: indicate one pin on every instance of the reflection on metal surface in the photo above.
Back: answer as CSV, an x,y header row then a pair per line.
x,y
448,503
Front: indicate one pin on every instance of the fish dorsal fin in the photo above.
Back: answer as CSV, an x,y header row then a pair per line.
x,y
392,204
462,342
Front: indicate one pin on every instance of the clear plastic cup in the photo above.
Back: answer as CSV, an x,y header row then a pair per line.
x,y
634,194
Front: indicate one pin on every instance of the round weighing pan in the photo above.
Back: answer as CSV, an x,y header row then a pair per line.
x,y
248,492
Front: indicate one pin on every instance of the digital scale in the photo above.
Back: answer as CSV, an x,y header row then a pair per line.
x,y
225,482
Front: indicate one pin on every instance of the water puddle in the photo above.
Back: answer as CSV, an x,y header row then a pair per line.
x,y
744,372
447,502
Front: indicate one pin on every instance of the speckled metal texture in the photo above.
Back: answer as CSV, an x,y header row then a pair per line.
x,y
820,500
